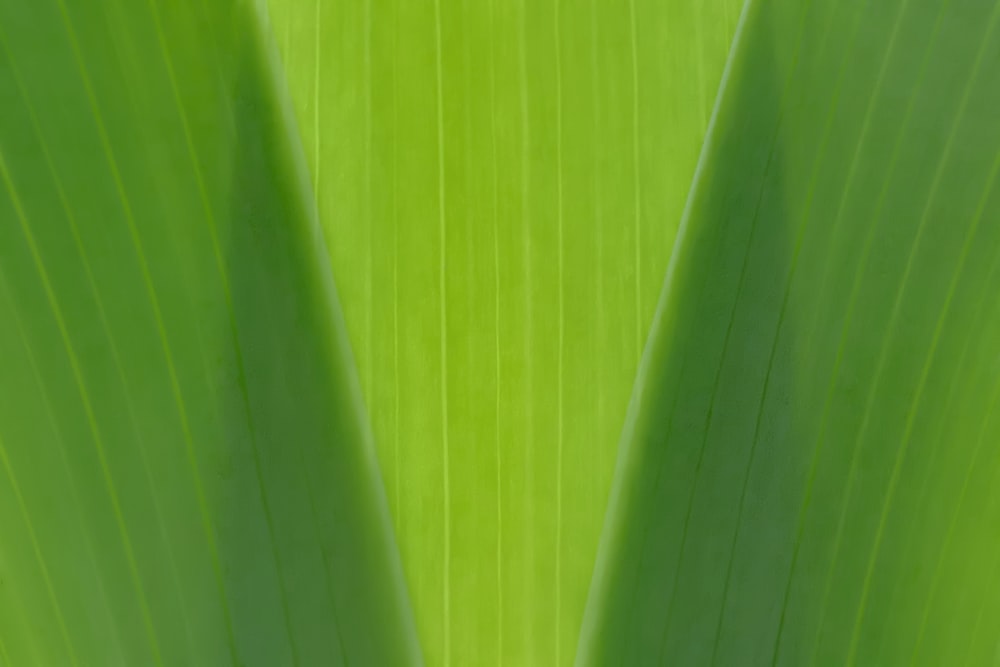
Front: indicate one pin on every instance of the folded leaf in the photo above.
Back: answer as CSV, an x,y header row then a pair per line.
x,y
186,473
809,468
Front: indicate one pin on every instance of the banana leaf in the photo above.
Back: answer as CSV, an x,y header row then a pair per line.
x,y
808,472
186,471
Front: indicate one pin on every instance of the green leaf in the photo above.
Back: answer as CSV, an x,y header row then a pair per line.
x,y
809,467
500,184
186,473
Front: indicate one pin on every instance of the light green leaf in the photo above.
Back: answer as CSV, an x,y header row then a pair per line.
x,y
500,184
809,472
186,473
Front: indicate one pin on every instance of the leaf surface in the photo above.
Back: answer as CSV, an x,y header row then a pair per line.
x,y
809,467
500,183
186,472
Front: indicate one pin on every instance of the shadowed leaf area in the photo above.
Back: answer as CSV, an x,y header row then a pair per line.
x,y
186,472
808,471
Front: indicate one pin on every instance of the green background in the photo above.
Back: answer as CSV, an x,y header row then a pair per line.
x,y
500,184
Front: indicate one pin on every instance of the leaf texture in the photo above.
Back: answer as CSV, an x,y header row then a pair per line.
x,y
500,183
186,472
809,466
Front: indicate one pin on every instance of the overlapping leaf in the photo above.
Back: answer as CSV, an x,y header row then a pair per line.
x,y
810,464
186,473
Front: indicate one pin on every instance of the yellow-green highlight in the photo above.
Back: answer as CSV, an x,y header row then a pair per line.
x,y
499,184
